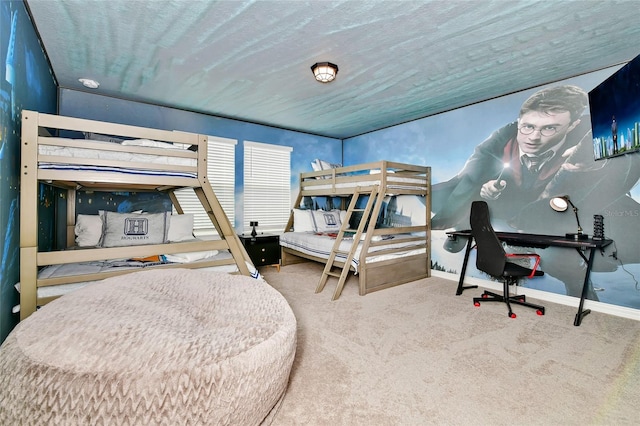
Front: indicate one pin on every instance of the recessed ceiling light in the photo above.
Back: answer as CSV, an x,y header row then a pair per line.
x,y
87,82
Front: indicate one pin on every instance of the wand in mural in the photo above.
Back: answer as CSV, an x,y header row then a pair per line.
x,y
497,185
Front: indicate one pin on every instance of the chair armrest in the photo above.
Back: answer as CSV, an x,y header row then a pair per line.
x,y
530,255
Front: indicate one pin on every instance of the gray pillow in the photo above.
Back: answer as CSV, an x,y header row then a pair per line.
x,y
133,229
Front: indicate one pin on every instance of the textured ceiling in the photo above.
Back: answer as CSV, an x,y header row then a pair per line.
x,y
398,60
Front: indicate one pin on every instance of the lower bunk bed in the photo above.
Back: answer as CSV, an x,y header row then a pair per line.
x,y
388,261
56,280
392,249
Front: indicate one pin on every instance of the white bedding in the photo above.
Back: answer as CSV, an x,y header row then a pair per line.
x,y
124,156
393,182
93,267
321,245
70,269
58,166
72,152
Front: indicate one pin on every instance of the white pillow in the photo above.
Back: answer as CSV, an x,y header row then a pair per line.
x,y
133,229
180,227
318,165
150,143
343,215
102,138
303,221
327,221
88,230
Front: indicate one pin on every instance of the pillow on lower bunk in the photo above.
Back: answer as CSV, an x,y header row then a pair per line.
x,y
303,221
88,230
318,220
180,227
327,221
133,229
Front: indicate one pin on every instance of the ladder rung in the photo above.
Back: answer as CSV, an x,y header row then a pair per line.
x,y
340,251
333,274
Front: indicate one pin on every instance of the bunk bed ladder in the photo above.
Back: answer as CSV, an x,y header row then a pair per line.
x,y
372,193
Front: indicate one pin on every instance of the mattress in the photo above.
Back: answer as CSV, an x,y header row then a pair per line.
x,y
70,269
393,182
51,149
320,245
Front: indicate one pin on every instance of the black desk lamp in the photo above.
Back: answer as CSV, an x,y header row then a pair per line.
x,y
561,204
253,231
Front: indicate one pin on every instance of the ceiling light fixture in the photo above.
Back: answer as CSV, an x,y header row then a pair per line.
x,y
87,82
324,72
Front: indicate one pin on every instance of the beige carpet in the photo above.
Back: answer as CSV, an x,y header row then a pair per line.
x,y
417,354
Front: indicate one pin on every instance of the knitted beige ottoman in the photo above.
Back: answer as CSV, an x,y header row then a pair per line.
x,y
165,347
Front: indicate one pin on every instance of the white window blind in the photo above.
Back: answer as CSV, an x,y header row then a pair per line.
x,y
267,185
221,163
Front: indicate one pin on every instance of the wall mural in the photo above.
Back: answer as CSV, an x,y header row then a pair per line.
x,y
461,146
475,152
25,82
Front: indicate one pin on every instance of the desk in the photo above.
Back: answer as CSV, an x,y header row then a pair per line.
x,y
539,241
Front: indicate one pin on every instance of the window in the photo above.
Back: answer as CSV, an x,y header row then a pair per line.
x,y
267,185
221,163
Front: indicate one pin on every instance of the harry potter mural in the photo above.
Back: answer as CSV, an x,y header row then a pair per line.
x,y
517,152
545,152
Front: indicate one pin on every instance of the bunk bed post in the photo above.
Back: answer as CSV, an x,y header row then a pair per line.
x,y
28,277
28,213
428,219
71,217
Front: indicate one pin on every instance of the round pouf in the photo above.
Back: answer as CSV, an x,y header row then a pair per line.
x,y
169,347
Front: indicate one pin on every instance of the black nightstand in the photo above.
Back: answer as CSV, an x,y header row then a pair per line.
x,y
263,249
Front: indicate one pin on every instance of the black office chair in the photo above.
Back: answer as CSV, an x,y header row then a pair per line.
x,y
492,259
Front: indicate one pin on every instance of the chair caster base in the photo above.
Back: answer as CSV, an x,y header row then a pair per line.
x,y
489,296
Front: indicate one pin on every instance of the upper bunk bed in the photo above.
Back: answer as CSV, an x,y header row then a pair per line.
x,y
393,249
114,158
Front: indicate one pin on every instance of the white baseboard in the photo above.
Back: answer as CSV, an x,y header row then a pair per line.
x,y
606,308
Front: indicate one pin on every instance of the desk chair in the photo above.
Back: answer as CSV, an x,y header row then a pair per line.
x,y
492,259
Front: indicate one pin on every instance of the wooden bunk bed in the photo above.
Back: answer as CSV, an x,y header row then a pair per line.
x,y
390,252
45,159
